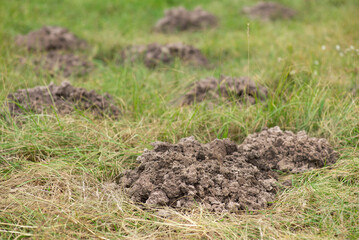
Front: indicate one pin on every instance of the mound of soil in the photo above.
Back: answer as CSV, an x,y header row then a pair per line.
x,y
64,98
50,38
241,88
274,149
221,175
56,63
186,173
154,54
180,19
268,11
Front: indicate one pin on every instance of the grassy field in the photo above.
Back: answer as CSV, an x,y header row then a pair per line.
x,y
57,173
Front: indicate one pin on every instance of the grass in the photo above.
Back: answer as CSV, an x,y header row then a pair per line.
x,y
57,173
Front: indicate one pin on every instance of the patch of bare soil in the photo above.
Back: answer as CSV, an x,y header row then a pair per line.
x,y
64,98
183,174
49,38
155,54
56,63
240,88
220,175
274,149
269,11
180,19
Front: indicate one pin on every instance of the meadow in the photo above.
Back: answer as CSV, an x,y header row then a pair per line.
x,y
58,172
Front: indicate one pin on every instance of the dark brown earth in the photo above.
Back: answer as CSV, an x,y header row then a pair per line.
x,y
269,11
56,63
220,175
64,98
274,149
49,38
155,54
240,88
188,173
180,19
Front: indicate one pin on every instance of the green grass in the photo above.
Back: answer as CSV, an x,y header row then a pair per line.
x,y
57,173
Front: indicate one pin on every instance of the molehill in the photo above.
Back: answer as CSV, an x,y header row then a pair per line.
x,y
220,175
269,11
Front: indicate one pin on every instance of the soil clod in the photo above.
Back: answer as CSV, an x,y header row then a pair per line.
x,y
180,19
274,149
240,88
64,98
49,38
155,54
188,173
56,63
269,11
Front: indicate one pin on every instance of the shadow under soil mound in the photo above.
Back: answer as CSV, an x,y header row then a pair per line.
x,y
180,19
242,89
155,54
50,38
56,63
269,11
220,175
64,99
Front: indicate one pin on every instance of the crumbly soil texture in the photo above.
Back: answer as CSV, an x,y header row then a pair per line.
x,y
241,89
220,175
180,19
154,54
49,38
57,63
64,99
269,11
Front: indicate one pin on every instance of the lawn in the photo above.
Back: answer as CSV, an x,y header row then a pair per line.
x,y
58,172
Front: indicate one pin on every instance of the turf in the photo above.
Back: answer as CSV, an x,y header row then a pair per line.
x,y
57,173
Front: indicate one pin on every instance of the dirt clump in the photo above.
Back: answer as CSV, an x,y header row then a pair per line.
x,y
49,38
56,63
64,98
269,11
274,149
180,19
155,54
240,88
183,174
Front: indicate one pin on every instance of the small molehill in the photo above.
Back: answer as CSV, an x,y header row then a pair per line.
x,y
269,11
64,99
274,149
155,54
220,175
56,63
49,38
214,175
240,88
180,19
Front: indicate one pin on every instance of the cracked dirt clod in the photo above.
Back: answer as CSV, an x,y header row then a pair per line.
x,y
268,11
183,174
154,54
180,19
240,88
64,98
50,38
274,149
56,63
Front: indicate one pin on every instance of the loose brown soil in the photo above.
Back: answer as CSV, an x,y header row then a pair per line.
x,y
64,98
274,149
188,173
55,63
268,11
220,175
155,54
50,38
243,89
180,19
